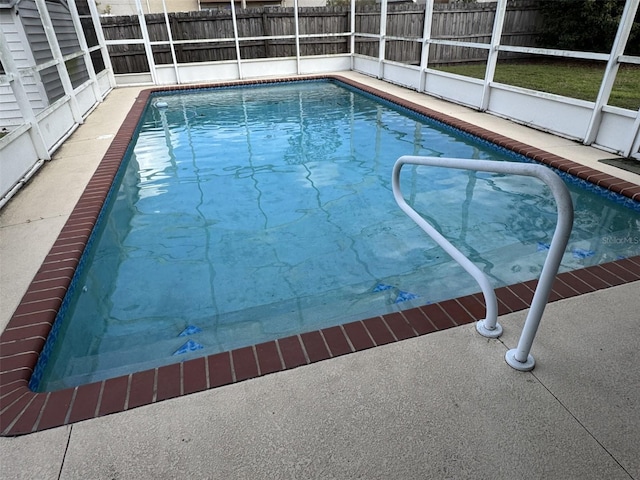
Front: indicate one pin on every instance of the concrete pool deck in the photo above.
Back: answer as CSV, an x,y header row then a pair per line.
x,y
444,405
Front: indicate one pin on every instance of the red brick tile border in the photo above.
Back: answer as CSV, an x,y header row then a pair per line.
x,y
23,411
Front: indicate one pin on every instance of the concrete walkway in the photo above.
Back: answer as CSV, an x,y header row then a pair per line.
x,y
444,405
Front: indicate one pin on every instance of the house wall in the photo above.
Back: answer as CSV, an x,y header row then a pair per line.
x,y
128,7
305,3
67,39
9,112
47,86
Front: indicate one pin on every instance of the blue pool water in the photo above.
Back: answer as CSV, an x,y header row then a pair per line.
x,y
248,214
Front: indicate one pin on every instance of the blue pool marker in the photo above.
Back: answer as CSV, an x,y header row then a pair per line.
x,y
580,253
381,287
190,346
404,296
543,246
190,330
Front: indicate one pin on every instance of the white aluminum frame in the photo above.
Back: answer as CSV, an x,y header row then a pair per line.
x,y
26,148
202,72
609,128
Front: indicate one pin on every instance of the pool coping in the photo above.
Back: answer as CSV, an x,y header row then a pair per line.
x,y
23,411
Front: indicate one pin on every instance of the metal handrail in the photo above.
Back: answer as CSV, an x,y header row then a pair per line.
x,y
520,357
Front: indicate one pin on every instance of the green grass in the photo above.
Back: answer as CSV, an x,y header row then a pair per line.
x,y
568,78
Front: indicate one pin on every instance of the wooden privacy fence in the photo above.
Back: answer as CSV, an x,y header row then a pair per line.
x,y
212,31
464,22
217,26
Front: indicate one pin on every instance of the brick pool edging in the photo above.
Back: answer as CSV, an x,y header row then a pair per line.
x,y
23,411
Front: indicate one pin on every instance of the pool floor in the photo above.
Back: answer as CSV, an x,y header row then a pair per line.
x,y
23,411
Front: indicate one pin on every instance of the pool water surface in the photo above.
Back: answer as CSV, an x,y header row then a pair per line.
x,y
249,214
33,325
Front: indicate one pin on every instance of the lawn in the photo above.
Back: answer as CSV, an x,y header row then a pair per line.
x,y
569,78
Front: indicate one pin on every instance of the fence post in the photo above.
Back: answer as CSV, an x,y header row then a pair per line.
x,y
426,38
382,38
147,45
235,37
353,32
620,42
171,46
297,32
492,59
104,51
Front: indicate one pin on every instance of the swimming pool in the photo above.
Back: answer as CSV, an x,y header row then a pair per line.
x,y
34,315
246,215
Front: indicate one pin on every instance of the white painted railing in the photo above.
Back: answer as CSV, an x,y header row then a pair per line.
x,y
608,128
520,357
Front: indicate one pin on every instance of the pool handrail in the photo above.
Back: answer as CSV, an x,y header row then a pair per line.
x,y
520,357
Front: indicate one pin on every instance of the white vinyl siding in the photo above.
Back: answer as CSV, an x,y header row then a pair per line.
x,y
10,114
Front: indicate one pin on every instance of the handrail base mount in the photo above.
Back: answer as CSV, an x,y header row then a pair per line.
x,y
512,361
494,332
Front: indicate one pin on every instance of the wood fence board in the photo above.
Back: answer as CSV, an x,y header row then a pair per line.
x,y
469,22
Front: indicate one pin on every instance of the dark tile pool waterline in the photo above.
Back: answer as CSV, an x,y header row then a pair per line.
x,y
23,411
